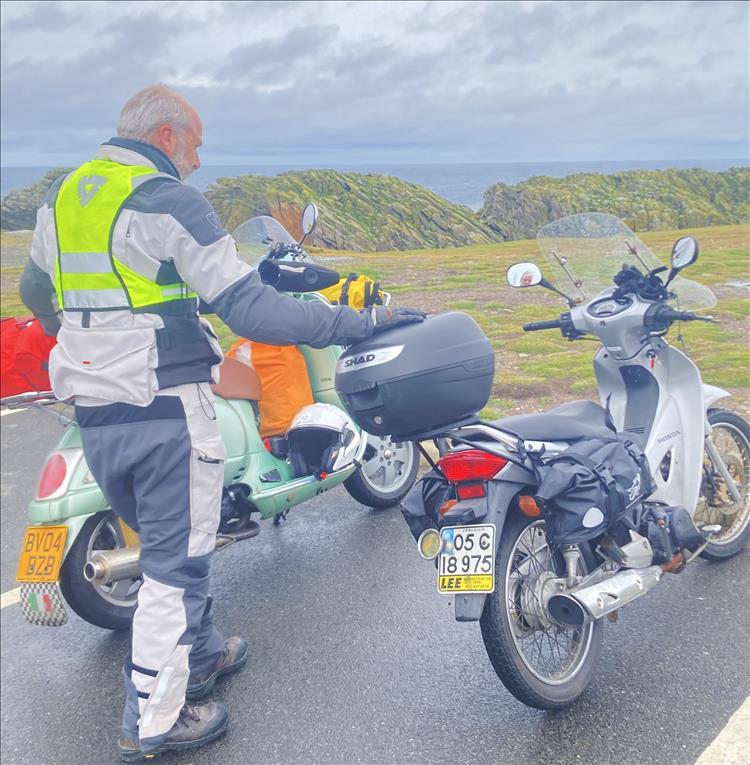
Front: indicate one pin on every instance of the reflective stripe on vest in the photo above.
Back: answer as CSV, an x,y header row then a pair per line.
x,y
87,275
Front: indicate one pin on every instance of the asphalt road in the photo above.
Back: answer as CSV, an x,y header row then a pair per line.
x,y
357,659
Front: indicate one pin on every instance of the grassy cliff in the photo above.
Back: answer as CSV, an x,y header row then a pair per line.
x,y
374,213
647,200
367,213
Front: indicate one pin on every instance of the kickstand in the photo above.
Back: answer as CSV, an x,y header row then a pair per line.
x,y
277,519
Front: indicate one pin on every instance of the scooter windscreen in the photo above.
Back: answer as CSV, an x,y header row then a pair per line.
x,y
264,243
259,235
585,251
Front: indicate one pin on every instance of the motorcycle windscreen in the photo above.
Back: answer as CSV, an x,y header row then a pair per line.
x,y
584,252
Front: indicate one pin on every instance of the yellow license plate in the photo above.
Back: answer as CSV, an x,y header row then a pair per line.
x,y
42,554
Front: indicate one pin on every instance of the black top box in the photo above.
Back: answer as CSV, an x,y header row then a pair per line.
x,y
417,379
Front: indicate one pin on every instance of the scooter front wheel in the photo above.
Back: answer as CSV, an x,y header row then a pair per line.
x,y
110,606
731,438
388,472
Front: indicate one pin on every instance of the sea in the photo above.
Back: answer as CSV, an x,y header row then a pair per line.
x,y
462,184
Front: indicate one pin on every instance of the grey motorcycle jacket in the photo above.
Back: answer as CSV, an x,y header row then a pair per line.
x,y
126,356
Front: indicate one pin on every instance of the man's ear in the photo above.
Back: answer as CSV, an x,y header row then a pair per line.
x,y
166,138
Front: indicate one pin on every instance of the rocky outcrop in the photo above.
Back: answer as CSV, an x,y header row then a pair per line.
x,y
378,212
18,209
645,199
357,212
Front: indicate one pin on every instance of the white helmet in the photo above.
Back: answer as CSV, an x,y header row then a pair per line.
x,y
322,439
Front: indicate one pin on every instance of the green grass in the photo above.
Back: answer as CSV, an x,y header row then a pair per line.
x,y
535,369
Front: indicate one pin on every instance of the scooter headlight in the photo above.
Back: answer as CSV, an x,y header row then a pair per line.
x,y
429,543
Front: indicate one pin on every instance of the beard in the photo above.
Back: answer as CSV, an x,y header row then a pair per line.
x,y
181,162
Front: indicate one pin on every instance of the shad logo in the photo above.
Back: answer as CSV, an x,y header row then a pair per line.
x,y
355,361
350,362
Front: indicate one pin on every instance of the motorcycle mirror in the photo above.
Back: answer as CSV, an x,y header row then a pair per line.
x,y
684,253
309,220
524,275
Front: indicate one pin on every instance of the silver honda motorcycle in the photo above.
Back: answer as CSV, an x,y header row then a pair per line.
x,y
541,606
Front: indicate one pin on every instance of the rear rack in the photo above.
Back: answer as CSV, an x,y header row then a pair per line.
x,y
41,400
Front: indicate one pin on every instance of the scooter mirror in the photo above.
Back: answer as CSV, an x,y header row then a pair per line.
x,y
309,218
684,253
524,275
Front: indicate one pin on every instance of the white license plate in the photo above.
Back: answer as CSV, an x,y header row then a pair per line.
x,y
467,559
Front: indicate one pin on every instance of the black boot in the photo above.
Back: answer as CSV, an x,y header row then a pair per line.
x,y
195,727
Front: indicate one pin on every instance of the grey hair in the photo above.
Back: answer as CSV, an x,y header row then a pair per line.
x,y
153,106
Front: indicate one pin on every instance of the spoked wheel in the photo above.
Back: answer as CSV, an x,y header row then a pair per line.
x,y
389,470
731,437
110,606
542,663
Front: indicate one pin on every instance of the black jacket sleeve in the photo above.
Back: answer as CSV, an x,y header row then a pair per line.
x,y
36,293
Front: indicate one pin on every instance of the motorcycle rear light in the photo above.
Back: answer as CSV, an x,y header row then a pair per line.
x,y
53,476
470,490
470,465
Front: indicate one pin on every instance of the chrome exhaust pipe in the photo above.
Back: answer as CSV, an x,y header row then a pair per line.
x,y
576,607
107,566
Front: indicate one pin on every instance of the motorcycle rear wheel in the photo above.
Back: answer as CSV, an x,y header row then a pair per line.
x,y
389,471
108,606
541,663
731,437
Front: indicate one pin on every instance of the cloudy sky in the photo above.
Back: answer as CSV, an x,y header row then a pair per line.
x,y
347,82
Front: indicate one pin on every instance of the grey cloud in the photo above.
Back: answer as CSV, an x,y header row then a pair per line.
x,y
240,10
483,81
631,37
41,16
278,54
144,34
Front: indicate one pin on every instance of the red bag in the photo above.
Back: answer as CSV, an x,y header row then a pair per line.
x,y
24,356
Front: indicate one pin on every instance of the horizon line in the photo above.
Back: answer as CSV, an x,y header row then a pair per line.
x,y
744,160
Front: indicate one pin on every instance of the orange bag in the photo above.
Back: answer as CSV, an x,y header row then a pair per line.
x,y
283,375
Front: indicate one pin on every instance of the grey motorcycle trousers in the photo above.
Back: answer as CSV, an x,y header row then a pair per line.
x,y
161,469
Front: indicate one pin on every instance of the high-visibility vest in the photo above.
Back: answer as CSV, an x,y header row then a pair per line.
x,y
87,275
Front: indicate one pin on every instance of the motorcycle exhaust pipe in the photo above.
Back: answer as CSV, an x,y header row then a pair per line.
x,y
108,566
579,606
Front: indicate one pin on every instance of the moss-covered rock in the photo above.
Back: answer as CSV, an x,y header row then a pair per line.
x,y
357,212
647,199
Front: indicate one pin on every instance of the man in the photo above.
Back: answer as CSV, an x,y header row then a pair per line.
x,y
128,249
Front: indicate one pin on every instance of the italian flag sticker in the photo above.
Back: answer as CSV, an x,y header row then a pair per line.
x,y
40,603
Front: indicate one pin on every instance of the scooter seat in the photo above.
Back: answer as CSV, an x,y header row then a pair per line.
x,y
568,422
237,380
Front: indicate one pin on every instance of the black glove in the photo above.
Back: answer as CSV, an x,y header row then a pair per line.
x,y
384,317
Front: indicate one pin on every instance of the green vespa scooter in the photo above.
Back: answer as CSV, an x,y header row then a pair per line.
x,y
75,545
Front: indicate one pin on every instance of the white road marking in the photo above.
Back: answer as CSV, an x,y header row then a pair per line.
x,y
12,411
10,597
732,745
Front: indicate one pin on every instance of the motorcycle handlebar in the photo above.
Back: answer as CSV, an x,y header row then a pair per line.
x,y
537,325
667,314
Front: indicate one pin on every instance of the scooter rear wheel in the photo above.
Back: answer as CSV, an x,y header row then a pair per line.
x,y
389,471
731,437
108,606
543,664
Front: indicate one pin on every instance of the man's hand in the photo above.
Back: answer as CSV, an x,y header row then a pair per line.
x,y
384,317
